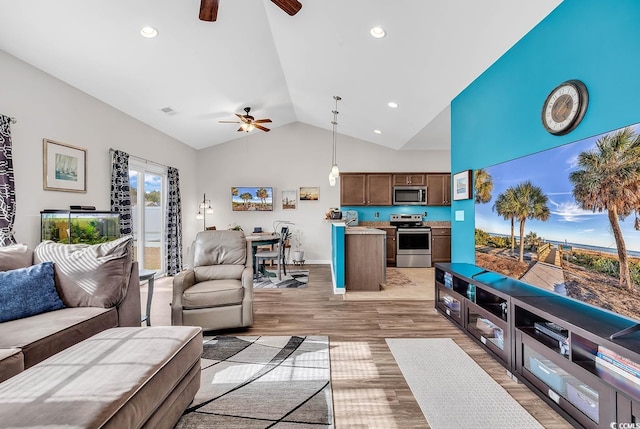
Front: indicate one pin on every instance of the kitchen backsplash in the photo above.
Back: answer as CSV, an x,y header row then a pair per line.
x,y
368,214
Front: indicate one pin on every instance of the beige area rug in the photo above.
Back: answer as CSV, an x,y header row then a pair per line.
x,y
402,284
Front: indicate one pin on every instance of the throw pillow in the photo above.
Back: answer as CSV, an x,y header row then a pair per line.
x,y
90,275
28,291
15,256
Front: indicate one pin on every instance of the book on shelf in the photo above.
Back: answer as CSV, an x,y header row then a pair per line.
x,y
618,364
606,364
615,356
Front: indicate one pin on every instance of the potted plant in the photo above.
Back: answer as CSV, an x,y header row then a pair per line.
x,y
298,254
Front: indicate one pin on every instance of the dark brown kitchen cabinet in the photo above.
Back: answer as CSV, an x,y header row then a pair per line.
x,y
362,189
440,245
409,179
391,245
438,189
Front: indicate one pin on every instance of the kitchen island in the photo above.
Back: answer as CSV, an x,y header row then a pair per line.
x,y
365,258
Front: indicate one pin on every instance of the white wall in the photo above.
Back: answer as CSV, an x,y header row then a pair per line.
x,y
289,157
46,107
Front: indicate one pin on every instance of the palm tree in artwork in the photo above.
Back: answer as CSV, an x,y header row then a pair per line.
x,y
483,183
246,197
530,202
608,179
262,194
505,207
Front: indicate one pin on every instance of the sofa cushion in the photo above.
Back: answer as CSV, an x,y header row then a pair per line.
x,y
46,334
212,293
28,291
11,363
15,256
87,275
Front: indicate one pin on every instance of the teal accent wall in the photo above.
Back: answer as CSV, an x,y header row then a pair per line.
x,y
498,116
368,214
337,257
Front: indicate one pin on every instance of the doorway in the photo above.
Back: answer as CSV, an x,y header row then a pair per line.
x,y
148,199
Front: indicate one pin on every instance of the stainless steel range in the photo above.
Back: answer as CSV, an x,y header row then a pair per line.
x,y
413,241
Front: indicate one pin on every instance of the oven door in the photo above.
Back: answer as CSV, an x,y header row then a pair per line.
x,y
413,241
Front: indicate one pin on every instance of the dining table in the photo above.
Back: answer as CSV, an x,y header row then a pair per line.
x,y
257,239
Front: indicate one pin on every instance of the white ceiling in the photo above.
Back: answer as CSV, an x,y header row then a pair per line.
x,y
286,68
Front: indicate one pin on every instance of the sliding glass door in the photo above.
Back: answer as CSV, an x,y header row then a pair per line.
x,y
148,199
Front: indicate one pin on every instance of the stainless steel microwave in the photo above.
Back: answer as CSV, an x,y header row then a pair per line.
x,y
409,195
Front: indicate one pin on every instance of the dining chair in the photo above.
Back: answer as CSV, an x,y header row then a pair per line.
x,y
277,254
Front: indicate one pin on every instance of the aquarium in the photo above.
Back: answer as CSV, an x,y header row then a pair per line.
x,y
76,226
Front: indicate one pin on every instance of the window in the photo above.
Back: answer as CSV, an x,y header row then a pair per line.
x,y
148,185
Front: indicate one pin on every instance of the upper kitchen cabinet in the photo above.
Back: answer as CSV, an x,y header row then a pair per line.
x,y
409,179
362,189
438,189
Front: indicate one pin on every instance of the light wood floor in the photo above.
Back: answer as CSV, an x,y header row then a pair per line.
x,y
368,387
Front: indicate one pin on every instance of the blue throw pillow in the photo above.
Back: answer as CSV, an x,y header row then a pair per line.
x,y
28,291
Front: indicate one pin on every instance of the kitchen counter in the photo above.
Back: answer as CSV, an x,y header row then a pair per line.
x,y
367,230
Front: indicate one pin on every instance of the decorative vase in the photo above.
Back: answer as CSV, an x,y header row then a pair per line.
x,y
298,255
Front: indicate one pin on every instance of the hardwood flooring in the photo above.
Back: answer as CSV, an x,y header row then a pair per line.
x,y
369,390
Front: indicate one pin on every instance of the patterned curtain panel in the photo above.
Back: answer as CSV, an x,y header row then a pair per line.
x,y
7,184
174,223
120,191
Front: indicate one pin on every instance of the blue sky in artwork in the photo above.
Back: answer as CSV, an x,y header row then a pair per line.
x,y
550,171
252,190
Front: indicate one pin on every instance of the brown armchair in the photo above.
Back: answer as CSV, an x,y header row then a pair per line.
x,y
217,293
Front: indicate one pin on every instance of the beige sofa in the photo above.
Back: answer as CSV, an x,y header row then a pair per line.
x,y
27,341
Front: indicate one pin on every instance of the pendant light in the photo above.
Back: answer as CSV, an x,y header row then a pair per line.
x,y
335,171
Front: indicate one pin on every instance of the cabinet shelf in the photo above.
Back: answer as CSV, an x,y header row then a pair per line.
x,y
551,343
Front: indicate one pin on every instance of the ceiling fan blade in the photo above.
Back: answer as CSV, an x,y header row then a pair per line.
x,y
260,127
291,7
208,10
261,121
240,129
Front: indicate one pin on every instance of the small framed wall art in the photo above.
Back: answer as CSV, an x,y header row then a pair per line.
x,y
462,185
309,193
65,167
289,200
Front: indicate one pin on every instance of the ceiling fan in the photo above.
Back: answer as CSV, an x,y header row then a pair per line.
x,y
209,8
248,122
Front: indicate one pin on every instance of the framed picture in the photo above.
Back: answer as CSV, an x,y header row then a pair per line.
x,y
462,185
289,200
251,198
308,193
65,167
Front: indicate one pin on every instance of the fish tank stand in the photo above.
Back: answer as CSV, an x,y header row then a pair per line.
x,y
79,226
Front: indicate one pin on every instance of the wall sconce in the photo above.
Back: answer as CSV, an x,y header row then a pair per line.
x,y
204,208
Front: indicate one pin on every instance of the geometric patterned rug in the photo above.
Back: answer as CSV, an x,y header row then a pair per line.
x,y
293,279
263,382
452,390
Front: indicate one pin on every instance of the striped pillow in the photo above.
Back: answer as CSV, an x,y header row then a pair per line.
x,y
89,275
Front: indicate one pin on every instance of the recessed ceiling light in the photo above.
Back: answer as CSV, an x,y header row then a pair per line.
x,y
392,104
149,32
377,131
378,32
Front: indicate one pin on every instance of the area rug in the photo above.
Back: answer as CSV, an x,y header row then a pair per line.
x,y
413,284
263,382
453,391
293,279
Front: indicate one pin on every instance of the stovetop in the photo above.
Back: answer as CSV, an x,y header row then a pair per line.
x,y
407,221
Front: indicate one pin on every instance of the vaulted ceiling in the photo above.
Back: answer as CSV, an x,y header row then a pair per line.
x,y
286,68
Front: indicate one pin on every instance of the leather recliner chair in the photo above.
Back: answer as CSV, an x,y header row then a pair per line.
x,y
217,293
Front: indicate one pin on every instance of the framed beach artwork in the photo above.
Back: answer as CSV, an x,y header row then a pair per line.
x,y
65,167
309,193
289,200
462,185
568,209
251,198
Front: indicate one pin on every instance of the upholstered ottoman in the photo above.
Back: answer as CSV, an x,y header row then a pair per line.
x,y
119,378
11,363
